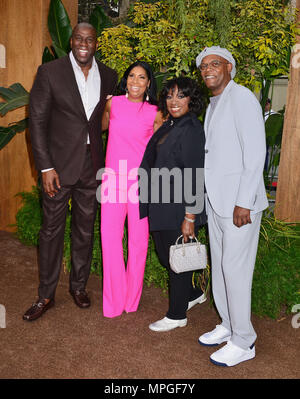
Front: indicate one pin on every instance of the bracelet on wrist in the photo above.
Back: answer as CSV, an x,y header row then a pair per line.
x,y
189,220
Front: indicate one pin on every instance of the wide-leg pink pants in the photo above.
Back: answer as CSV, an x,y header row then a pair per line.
x,y
122,286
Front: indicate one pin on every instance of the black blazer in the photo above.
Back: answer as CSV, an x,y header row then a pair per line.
x,y
183,148
58,123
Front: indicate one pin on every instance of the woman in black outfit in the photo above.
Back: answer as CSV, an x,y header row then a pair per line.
x,y
178,143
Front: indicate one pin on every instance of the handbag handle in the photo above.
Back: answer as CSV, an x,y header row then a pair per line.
x,y
176,243
182,245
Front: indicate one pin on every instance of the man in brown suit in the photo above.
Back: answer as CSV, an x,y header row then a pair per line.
x,y
66,105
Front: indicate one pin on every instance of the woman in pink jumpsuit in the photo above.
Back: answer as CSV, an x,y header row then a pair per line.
x,y
132,120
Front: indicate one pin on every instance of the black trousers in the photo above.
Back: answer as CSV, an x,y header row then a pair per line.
x,y
51,238
181,289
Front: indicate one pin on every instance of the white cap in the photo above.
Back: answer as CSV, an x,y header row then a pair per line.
x,y
222,52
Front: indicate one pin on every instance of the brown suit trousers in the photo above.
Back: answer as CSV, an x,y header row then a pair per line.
x,y
51,239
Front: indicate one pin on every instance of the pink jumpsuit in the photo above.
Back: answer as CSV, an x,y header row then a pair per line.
x,y
130,128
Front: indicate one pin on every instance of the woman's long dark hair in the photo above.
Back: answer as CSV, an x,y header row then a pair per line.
x,y
152,93
189,88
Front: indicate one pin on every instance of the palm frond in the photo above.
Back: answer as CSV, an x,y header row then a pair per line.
x,y
15,97
7,133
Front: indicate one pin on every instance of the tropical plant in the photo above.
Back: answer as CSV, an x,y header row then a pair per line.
x,y
170,34
29,217
276,279
15,97
99,20
264,33
274,129
60,30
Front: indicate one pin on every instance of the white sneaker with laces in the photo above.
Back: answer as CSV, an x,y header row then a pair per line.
x,y
215,337
167,324
202,298
231,355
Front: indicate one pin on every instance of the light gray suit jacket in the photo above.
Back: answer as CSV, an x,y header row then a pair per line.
x,y
235,152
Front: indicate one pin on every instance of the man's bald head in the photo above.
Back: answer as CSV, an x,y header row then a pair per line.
x,y
84,25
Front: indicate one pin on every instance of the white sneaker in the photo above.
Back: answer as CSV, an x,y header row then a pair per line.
x,y
167,324
202,298
231,355
215,337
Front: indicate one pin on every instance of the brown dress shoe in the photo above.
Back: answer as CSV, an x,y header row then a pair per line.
x,y
37,309
81,298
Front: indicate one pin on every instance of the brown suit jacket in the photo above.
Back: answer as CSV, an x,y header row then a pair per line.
x,y
58,123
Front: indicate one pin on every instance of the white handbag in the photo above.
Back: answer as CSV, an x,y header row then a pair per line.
x,y
187,256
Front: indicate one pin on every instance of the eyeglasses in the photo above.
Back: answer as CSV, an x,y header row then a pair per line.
x,y
215,64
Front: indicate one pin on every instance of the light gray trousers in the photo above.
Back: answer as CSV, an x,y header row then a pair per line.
x,y
233,254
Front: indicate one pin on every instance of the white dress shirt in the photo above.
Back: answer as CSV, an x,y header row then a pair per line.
x,y
89,88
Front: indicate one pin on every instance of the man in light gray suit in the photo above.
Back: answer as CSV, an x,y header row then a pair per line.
x,y
235,152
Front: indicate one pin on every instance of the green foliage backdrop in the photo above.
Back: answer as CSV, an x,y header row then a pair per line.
x,y
170,34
